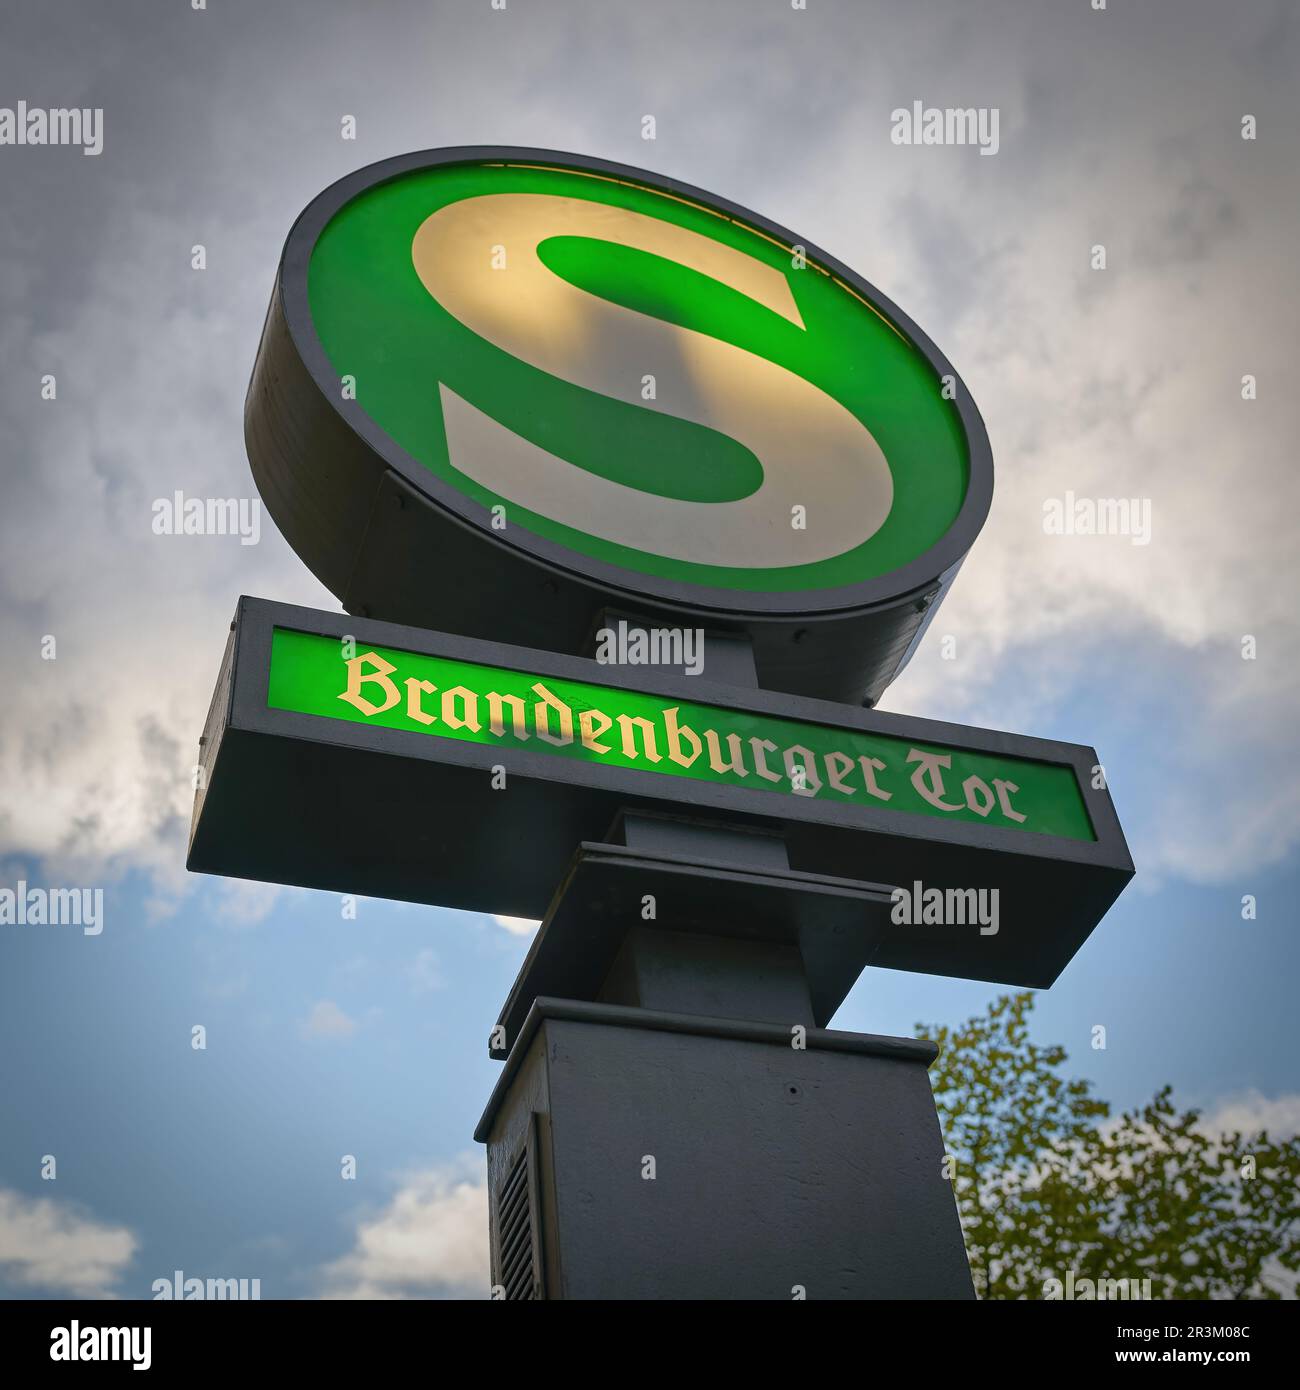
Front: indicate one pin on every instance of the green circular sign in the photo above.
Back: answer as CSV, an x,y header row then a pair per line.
x,y
650,394
633,376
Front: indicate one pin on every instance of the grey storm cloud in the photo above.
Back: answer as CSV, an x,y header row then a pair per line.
x,y
1119,127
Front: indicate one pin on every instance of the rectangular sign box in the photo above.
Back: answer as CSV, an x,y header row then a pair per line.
x,y
366,757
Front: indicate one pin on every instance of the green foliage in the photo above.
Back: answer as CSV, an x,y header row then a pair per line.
x,y
1046,1182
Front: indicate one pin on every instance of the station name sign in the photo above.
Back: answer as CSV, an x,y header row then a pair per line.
x,y
372,758
514,709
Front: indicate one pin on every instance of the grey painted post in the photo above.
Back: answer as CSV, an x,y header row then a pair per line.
x,y
685,1129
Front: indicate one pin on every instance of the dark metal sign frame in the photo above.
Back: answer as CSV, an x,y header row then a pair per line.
x,y
304,799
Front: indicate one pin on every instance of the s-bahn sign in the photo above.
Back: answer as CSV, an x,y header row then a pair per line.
x,y
587,385
371,758
505,401
502,394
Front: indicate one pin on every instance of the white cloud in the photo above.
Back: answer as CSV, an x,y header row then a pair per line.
x,y
327,1020
430,1241
516,926
1124,383
244,902
1250,1112
47,1245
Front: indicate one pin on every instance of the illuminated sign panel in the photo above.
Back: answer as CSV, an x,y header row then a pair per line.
x,y
635,376
511,709
591,386
370,758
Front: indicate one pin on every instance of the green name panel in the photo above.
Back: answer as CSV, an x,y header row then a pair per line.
x,y
607,725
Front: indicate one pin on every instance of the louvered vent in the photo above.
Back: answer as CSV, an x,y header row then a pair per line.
x,y
517,1243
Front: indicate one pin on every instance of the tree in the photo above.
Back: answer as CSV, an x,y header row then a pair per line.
x,y
1048,1185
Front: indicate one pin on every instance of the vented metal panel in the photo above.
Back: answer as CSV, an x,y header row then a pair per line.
x,y
519,1270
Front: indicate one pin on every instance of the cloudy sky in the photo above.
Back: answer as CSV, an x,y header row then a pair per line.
x,y
1119,128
